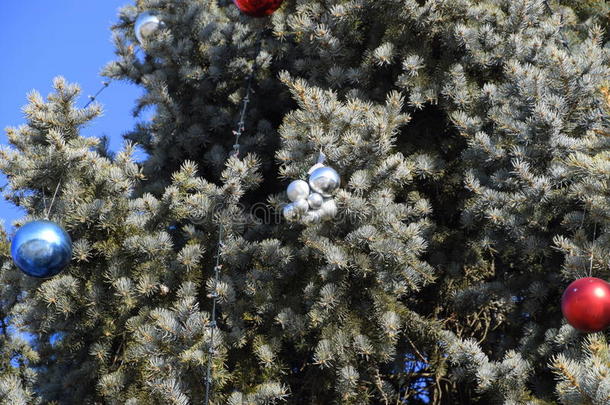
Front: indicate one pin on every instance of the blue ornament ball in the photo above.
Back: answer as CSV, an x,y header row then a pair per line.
x,y
41,249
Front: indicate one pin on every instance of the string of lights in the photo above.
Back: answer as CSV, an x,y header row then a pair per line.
x,y
218,266
92,98
105,85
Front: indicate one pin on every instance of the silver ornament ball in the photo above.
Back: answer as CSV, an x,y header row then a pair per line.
x,y
312,217
301,206
146,25
315,201
41,249
328,209
298,190
289,212
324,180
314,167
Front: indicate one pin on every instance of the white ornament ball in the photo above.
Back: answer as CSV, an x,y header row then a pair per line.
x,y
312,217
328,209
324,180
289,212
298,190
301,206
315,201
146,25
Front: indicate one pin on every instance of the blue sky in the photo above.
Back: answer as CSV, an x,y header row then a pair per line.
x,y
41,39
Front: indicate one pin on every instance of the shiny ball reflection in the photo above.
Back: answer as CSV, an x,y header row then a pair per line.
x,y
328,210
41,249
586,304
289,212
315,201
301,206
324,180
312,217
146,25
298,190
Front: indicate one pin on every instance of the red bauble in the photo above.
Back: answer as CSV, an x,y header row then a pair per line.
x,y
258,8
586,304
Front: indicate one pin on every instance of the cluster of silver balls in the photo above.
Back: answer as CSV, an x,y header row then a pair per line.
x,y
312,201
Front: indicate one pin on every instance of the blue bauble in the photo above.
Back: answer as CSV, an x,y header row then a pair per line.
x,y
41,249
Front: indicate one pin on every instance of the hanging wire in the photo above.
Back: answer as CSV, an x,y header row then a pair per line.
x,y
321,157
105,85
52,200
592,242
241,124
44,201
319,163
582,226
217,268
212,325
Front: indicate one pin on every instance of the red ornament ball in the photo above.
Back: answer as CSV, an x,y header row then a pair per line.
x,y
258,8
586,304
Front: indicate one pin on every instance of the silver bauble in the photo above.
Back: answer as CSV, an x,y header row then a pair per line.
x,y
146,25
301,206
289,212
314,167
298,190
315,200
312,217
328,209
324,180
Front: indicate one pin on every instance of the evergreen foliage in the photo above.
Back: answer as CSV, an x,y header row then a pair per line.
x,y
472,137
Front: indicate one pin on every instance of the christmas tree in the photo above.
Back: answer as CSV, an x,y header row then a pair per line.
x,y
472,142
